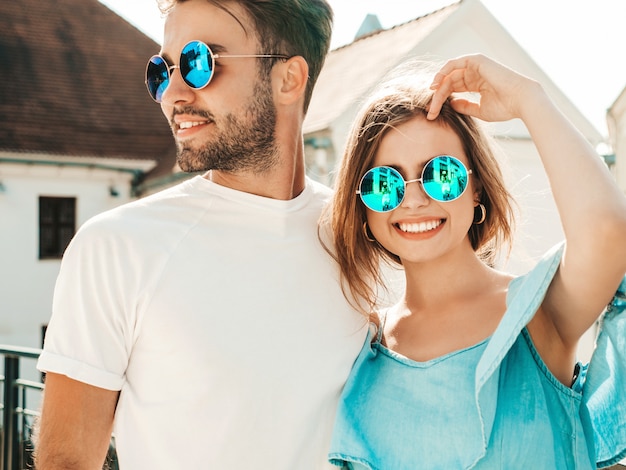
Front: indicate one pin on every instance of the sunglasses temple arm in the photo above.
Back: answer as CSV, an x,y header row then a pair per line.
x,y
260,56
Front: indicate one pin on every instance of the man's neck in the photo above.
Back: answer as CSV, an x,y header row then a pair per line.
x,y
284,182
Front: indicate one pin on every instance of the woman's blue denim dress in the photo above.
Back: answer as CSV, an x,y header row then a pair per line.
x,y
491,406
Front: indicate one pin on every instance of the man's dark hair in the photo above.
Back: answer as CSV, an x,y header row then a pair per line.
x,y
288,27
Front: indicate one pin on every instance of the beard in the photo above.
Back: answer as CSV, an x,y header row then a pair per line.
x,y
244,142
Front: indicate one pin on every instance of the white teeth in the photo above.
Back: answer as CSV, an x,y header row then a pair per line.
x,y
419,227
190,124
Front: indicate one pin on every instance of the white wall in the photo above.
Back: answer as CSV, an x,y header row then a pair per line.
x,y
27,283
616,120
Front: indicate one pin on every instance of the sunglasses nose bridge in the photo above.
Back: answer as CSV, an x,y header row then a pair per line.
x,y
177,89
170,73
414,197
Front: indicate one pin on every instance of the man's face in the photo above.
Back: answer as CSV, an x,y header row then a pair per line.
x,y
228,125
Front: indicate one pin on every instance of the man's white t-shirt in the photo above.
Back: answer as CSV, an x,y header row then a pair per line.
x,y
219,317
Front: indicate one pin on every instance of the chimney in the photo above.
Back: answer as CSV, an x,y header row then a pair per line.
x,y
370,25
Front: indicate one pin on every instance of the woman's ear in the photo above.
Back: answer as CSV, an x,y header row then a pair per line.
x,y
292,80
477,189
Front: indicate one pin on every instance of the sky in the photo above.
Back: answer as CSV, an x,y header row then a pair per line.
x,y
579,44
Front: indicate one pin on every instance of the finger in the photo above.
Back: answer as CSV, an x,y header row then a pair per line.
x,y
434,108
452,82
447,69
464,106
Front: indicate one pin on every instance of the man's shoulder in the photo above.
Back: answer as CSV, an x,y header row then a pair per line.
x,y
319,190
141,215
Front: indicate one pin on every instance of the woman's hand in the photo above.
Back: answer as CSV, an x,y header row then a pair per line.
x,y
503,92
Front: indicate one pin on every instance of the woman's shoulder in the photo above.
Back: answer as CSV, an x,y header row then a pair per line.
x,y
377,321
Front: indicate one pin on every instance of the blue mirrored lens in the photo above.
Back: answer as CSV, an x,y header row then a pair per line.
x,y
382,189
157,77
196,64
444,178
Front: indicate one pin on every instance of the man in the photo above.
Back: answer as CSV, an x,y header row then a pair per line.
x,y
204,325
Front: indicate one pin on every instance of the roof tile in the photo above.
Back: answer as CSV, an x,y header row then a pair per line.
x,y
74,84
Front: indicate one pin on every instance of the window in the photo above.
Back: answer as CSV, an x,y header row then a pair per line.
x,y
57,224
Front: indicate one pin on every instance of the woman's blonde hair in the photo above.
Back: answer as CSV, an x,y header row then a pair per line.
x,y
403,96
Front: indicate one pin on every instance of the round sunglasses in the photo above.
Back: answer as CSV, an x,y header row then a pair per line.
x,y
444,179
196,65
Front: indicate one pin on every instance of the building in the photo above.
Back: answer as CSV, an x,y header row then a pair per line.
x,y
616,123
78,135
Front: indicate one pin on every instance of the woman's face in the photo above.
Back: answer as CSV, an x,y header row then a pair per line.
x,y
420,228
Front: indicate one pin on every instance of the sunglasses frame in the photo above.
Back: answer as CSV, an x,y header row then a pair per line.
x,y
212,55
420,179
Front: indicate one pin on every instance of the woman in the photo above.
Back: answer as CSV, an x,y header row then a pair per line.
x,y
474,368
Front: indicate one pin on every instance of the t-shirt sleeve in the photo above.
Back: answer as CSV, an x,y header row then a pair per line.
x,y
90,333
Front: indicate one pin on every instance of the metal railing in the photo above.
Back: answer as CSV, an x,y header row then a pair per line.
x,y
17,418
